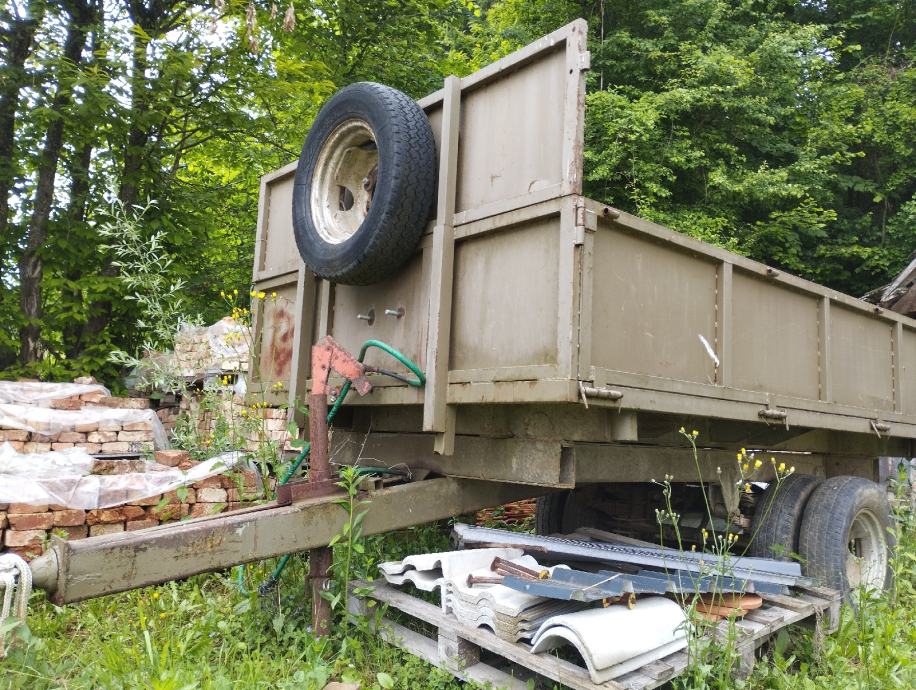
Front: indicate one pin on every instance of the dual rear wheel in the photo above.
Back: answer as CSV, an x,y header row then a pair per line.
x,y
838,528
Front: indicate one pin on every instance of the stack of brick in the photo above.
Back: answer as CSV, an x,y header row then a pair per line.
x,y
96,433
221,347
255,424
168,410
26,529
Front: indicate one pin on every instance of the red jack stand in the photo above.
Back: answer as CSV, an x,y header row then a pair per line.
x,y
327,355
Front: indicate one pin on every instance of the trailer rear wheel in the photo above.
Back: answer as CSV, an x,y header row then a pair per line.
x,y
845,537
365,184
778,516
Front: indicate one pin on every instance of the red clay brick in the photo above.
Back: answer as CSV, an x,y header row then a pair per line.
x,y
35,447
61,446
172,511
134,525
133,512
135,436
70,517
211,495
13,435
66,404
171,458
30,537
151,501
71,437
125,403
29,521
209,483
109,528
26,508
86,428
104,516
201,509
27,552
92,397
102,436
73,531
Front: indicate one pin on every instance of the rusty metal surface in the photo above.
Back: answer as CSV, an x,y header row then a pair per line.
x,y
114,563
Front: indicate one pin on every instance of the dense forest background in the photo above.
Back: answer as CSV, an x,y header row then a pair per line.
x,y
781,130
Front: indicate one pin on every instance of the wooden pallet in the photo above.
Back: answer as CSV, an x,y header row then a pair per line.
x,y
458,648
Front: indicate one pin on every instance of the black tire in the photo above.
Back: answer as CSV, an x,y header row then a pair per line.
x,y
548,513
400,194
835,513
778,517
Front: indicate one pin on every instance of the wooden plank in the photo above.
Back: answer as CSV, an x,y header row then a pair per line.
x,y
577,61
823,355
899,386
697,247
567,313
790,603
427,649
724,341
442,266
554,668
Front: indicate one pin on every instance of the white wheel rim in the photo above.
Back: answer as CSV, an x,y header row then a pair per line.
x,y
344,181
866,556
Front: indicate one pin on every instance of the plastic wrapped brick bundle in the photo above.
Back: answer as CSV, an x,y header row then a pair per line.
x,y
38,392
114,425
63,478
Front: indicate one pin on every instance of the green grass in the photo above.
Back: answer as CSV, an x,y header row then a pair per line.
x,y
202,633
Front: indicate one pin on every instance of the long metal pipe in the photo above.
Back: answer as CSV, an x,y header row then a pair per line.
x,y
86,568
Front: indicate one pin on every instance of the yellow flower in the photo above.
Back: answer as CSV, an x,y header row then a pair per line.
x,y
273,295
222,294
693,547
782,467
792,469
235,291
747,488
162,615
261,295
743,451
757,464
694,433
682,430
253,293
738,456
155,595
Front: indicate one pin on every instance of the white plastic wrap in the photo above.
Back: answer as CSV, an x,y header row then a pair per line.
x,y
63,478
43,420
228,339
34,392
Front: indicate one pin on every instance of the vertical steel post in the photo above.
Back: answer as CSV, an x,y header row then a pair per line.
x,y
319,471
327,356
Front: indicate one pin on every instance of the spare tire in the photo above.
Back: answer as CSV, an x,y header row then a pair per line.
x,y
365,184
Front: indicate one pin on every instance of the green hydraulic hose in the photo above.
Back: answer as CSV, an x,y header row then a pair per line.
x,y
418,382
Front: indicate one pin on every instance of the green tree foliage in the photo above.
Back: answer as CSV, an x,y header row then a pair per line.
x,y
782,130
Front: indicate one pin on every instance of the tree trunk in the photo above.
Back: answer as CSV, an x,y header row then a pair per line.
x,y
30,263
18,43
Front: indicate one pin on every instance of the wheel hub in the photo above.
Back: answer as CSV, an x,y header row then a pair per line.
x,y
866,560
344,181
